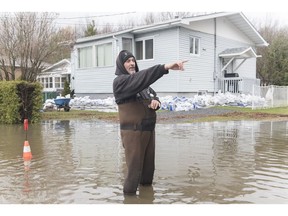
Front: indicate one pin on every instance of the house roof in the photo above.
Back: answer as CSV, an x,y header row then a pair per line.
x,y
236,18
57,64
97,37
242,52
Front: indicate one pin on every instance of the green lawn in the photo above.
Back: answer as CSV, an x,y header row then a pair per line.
x,y
241,113
79,114
278,110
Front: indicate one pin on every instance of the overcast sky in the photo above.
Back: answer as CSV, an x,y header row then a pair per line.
x,y
81,18
117,11
145,5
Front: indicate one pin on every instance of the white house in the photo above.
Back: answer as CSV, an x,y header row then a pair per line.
x,y
221,49
54,77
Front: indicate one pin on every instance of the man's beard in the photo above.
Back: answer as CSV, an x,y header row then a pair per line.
x,y
132,71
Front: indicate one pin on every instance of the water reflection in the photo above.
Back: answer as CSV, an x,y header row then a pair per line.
x,y
145,196
83,162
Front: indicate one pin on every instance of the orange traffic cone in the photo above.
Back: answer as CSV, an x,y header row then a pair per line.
x,y
27,155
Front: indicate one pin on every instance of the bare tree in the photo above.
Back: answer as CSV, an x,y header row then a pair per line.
x,y
8,49
172,15
27,40
128,24
150,18
107,28
67,38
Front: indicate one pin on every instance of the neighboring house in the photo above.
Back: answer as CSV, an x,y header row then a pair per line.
x,y
54,77
6,68
221,49
8,71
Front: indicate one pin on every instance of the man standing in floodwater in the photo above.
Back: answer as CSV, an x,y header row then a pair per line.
x,y
137,105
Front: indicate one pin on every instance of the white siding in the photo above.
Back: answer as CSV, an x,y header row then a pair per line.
x,y
166,44
173,44
224,29
95,79
198,74
248,69
170,45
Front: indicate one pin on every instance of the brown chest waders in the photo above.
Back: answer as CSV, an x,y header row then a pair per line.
x,y
137,124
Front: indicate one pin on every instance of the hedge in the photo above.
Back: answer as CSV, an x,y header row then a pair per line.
x,y
20,100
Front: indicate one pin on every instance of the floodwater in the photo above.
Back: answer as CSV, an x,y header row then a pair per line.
x,y
82,162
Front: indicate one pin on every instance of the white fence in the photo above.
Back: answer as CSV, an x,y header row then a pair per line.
x,y
275,96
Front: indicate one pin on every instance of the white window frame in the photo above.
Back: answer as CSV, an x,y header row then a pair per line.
x,y
107,62
53,82
86,62
144,48
196,52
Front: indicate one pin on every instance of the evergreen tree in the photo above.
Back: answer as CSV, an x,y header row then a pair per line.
x,y
272,67
91,29
66,89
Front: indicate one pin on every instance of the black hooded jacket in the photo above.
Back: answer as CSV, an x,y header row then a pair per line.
x,y
127,88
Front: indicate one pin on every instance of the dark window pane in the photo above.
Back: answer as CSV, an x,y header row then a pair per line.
x,y
196,46
192,45
149,49
139,50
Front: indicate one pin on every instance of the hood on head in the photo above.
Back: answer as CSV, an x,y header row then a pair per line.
x,y
121,59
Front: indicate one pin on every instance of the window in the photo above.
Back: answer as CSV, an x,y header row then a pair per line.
x,y
57,82
194,46
47,82
60,82
85,57
149,49
50,82
127,44
144,49
104,55
139,50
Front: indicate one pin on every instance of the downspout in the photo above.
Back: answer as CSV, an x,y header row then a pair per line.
x,y
116,46
74,65
215,57
178,54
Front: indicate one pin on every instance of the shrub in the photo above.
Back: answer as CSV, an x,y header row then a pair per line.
x,y
20,100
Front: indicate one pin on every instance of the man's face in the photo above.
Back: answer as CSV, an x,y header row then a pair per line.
x,y
129,65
